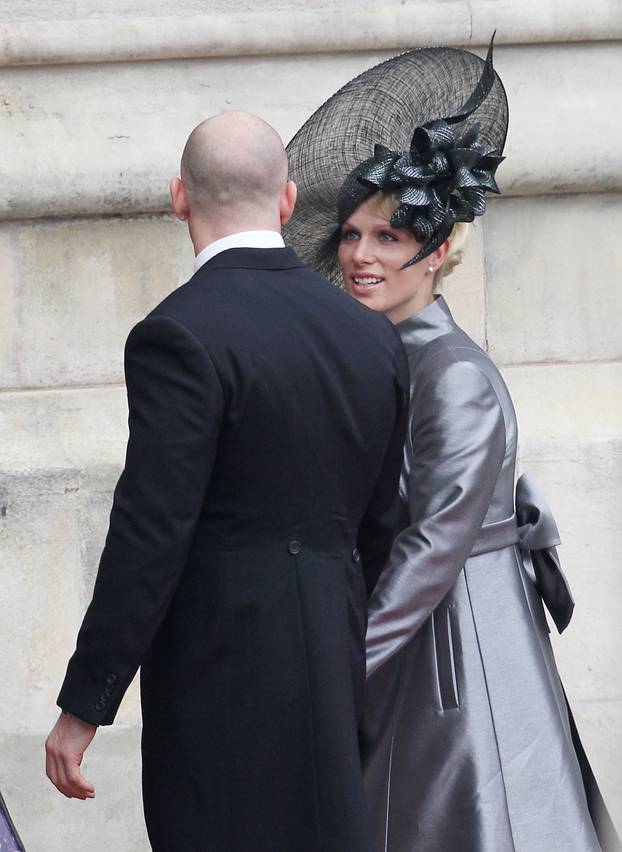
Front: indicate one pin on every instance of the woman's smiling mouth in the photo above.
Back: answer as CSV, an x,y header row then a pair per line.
x,y
366,281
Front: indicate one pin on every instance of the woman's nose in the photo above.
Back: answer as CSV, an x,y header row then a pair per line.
x,y
362,252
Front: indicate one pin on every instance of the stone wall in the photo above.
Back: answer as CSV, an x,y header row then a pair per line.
x,y
96,100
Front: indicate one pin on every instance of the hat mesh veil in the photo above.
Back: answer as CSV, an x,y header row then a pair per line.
x,y
382,105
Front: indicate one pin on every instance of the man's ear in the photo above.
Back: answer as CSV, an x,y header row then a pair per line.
x,y
287,201
179,199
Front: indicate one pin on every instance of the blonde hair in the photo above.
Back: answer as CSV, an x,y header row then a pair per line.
x,y
457,242
385,205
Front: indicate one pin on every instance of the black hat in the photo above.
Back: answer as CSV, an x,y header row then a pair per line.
x,y
428,127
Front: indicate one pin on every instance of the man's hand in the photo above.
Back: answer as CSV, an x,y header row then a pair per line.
x,y
64,749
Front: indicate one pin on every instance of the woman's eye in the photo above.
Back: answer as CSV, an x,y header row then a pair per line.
x,y
387,237
349,235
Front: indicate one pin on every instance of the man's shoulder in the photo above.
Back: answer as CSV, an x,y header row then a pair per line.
x,y
219,283
197,305
374,323
217,302
178,300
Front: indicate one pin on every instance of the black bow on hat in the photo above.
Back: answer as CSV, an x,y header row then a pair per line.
x,y
438,173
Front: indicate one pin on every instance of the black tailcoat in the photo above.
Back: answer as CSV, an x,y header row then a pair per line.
x,y
267,413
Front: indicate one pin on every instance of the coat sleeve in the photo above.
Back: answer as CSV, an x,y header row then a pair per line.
x,y
379,524
175,409
458,445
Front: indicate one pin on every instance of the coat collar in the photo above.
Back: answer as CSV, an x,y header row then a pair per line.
x,y
433,321
252,258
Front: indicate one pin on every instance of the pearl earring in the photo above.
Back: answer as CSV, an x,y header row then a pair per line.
x,y
430,269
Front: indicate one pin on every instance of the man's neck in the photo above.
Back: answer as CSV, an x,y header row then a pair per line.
x,y
204,234
207,238
257,239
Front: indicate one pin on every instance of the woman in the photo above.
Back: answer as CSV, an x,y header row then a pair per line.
x,y
9,839
468,745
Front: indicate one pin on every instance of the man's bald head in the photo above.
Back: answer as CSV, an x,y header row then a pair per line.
x,y
234,167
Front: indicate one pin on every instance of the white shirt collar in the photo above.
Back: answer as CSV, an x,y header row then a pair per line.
x,y
244,239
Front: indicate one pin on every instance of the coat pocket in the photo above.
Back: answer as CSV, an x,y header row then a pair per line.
x,y
446,651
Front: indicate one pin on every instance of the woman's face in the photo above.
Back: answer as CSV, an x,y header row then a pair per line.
x,y
371,254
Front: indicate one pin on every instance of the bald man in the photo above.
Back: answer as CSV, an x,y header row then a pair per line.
x,y
267,414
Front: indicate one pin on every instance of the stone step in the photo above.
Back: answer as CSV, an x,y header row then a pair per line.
x,y
551,264
71,290
113,146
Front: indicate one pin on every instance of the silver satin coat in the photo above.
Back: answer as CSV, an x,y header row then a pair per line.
x,y
466,740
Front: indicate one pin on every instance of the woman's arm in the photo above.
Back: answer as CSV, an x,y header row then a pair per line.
x,y
458,445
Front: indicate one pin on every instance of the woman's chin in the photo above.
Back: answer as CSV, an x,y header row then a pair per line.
x,y
369,296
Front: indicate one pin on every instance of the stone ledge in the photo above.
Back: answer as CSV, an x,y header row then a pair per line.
x,y
551,268
51,431
75,429
297,31
71,292
113,146
560,404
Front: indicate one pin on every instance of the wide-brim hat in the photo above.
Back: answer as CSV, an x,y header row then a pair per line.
x,y
383,106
